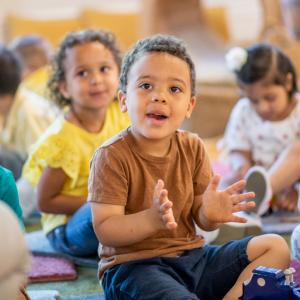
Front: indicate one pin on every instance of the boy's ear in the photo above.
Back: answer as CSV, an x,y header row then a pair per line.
x,y
122,100
63,89
191,106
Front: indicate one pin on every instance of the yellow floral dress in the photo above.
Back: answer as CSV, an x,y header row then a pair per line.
x,y
66,146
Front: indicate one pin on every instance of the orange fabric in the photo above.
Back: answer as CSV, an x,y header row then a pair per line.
x,y
123,174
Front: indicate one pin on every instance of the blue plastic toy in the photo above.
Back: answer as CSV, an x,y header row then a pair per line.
x,y
269,283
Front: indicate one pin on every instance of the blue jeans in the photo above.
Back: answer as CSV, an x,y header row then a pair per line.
x,y
202,273
77,237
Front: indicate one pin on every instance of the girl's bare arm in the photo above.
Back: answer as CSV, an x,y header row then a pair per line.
x,y
49,196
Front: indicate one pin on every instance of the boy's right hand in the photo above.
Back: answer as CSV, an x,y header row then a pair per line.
x,y
162,208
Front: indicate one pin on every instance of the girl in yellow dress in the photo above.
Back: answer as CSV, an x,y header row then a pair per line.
x,y
84,81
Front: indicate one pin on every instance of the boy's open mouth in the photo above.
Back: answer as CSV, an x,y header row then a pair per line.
x,y
156,116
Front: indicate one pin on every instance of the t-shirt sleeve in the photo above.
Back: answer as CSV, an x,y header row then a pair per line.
x,y
203,170
108,182
236,137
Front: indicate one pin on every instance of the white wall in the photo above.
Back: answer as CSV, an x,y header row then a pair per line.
x,y
244,16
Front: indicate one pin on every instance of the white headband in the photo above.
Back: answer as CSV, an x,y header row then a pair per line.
x,y
236,58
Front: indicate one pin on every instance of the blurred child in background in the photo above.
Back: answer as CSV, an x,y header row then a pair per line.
x,y
265,122
33,51
29,114
10,78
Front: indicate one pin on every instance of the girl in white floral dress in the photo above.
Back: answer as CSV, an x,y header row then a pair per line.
x,y
264,126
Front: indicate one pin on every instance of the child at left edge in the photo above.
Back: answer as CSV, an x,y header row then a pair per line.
x,y
158,184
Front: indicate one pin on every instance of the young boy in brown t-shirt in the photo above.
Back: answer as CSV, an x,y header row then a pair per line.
x,y
149,184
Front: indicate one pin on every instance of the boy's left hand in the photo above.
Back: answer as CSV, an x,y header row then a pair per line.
x,y
219,206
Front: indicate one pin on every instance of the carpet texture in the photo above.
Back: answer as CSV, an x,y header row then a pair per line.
x,y
47,269
86,284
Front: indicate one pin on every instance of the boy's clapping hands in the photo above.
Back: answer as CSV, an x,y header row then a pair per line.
x,y
219,206
162,207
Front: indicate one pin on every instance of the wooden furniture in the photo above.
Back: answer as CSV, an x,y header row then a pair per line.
x,y
212,110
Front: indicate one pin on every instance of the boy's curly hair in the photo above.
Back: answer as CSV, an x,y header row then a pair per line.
x,y
72,39
157,43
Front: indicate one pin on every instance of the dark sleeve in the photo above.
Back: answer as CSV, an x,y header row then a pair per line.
x,y
108,182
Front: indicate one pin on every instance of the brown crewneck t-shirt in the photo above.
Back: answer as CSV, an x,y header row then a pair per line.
x,y
122,174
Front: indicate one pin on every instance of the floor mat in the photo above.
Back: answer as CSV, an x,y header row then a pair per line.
x,y
49,268
88,297
39,245
86,284
281,222
44,295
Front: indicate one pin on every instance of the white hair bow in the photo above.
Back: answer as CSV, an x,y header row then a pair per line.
x,y
236,58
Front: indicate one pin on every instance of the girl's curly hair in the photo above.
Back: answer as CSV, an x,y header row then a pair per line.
x,y
72,39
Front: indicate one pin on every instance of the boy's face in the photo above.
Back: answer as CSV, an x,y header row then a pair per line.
x,y
158,96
